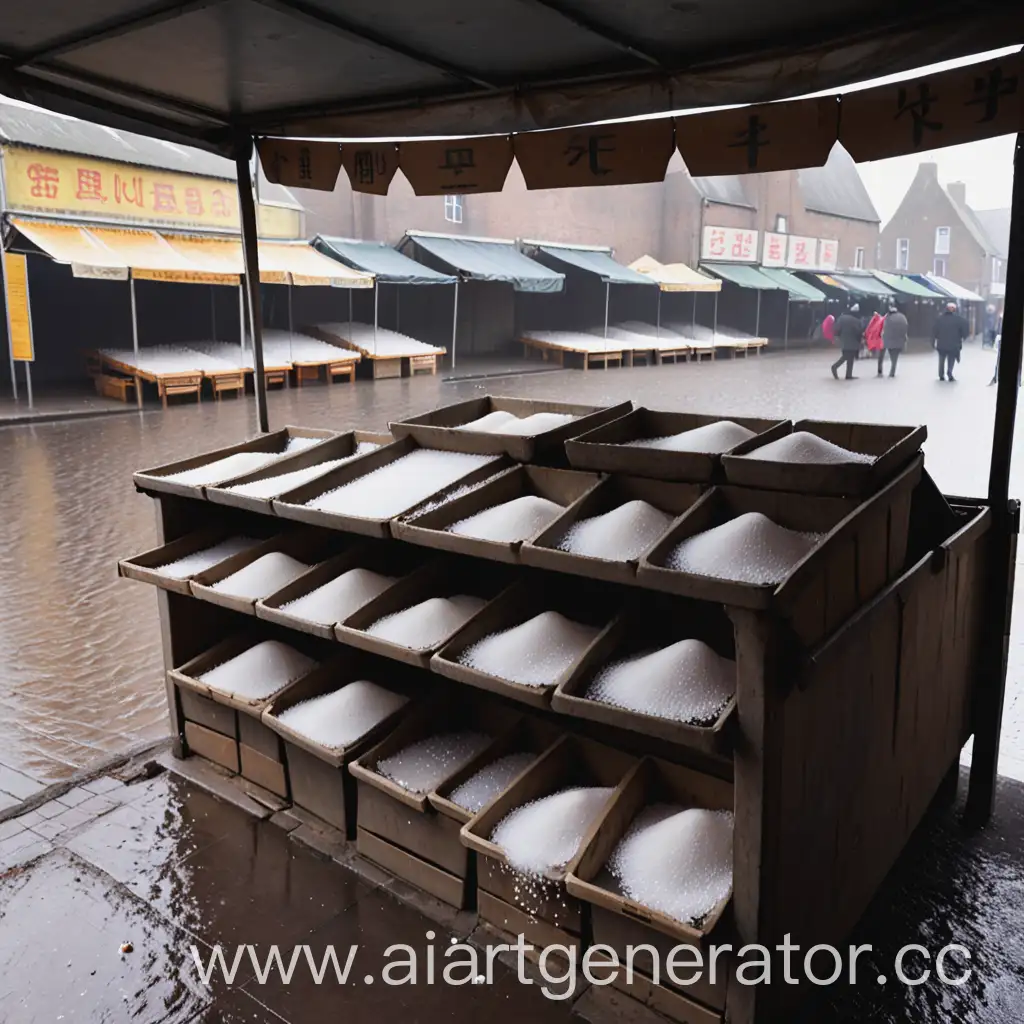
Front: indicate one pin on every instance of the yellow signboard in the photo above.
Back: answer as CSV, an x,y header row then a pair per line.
x,y
19,319
38,181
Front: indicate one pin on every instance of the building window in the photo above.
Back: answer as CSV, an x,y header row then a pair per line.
x,y
781,223
453,209
997,270
939,267
902,253
858,257
942,241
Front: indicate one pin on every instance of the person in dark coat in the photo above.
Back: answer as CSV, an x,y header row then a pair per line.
x,y
894,338
849,333
950,331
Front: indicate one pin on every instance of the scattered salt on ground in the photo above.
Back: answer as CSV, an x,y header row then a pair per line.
x,y
340,718
424,765
535,653
624,533
678,862
685,682
512,520
260,671
224,469
339,598
399,485
801,446
283,482
499,422
480,789
427,623
710,439
747,549
544,835
268,573
199,561
298,444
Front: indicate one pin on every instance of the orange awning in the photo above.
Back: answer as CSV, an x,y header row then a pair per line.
x,y
68,243
152,258
305,266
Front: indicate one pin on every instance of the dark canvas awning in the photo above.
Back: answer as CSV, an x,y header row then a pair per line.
x,y
799,291
388,266
905,286
743,275
490,259
863,284
595,261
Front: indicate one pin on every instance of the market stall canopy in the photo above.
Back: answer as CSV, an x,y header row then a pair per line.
x,y
799,290
489,259
905,286
862,284
593,261
388,265
743,275
675,277
303,265
951,289
68,243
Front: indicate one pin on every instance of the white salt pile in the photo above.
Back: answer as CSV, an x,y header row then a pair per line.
x,y
424,765
260,671
620,535
801,446
340,718
685,682
710,439
427,623
272,486
544,835
268,573
678,862
224,469
747,549
400,484
299,444
499,422
513,520
199,561
480,789
535,653
493,422
339,598
447,496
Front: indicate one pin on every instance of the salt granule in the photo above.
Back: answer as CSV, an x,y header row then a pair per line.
x,y
224,469
535,653
480,789
675,861
399,485
747,549
544,835
427,623
340,718
513,520
500,422
268,573
272,486
299,444
710,439
492,422
684,682
260,671
339,598
424,765
804,447
620,535
199,561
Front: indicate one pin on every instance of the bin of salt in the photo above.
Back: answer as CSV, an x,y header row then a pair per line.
x,y
809,449
337,599
425,764
501,422
480,789
710,439
535,653
428,623
239,464
273,486
621,535
262,577
259,672
515,520
200,561
336,720
677,862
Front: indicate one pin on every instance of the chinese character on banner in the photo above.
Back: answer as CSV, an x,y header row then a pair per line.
x,y
193,201
221,204
305,164
775,254
164,199
591,147
801,255
751,140
716,242
918,109
90,186
743,245
457,160
829,254
369,166
45,181
128,192
989,90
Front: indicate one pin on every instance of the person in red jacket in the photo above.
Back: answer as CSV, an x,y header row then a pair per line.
x,y
873,338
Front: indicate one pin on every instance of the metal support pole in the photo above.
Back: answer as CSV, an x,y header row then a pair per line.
x,y
250,248
757,318
991,686
657,329
785,335
241,320
10,343
28,383
607,297
376,295
135,338
455,320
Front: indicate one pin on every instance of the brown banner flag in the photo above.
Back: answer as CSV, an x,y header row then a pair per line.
x,y
628,153
299,164
768,137
456,166
944,109
370,165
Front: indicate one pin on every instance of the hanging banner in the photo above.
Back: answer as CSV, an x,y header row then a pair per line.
x,y
769,137
802,253
828,253
370,166
99,273
296,163
602,154
19,316
454,167
774,252
945,109
728,245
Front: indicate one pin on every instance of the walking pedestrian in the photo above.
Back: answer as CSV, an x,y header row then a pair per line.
x,y
850,333
894,338
950,331
873,338
991,327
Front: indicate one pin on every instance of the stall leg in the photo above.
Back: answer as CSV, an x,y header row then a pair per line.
x,y
376,295
607,297
455,320
28,384
135,339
